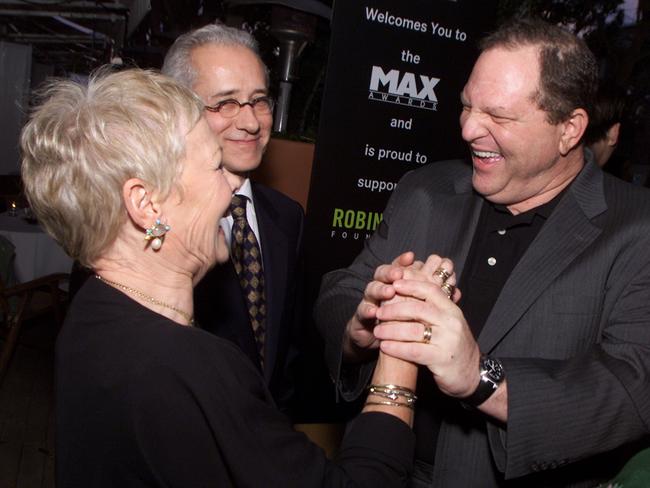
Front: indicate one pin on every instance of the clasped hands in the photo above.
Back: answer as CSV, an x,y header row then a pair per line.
x,y
406,312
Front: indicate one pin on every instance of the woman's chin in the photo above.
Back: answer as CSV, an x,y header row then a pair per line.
x,y
221,252
221,255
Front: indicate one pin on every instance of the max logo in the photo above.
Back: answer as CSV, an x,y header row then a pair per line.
x,y
403,89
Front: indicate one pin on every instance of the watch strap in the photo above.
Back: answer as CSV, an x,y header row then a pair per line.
x,y
486,386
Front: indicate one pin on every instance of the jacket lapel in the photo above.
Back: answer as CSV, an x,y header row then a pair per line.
x,y
451,221
468,207
567,233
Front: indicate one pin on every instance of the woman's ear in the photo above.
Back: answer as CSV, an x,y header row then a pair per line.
x,y
572,130
140,202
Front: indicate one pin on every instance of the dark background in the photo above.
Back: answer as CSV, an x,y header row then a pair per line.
x,y
141,36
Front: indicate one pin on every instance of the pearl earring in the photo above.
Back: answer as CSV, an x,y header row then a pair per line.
x,y
156,234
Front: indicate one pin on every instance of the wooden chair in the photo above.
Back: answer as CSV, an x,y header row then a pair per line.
x,y
22,301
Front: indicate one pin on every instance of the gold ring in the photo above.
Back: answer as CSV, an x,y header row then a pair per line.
x,y
442,273
426,336
448,288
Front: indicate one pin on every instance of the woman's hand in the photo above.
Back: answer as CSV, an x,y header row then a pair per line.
x,y
424,326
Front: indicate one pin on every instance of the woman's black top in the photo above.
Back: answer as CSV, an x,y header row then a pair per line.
x,y
142,401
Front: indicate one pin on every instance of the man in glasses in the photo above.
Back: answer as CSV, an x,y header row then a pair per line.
x,y
251,300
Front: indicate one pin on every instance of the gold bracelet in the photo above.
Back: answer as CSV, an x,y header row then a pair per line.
x,y
392,396
389,386
392,390
390,404
389,391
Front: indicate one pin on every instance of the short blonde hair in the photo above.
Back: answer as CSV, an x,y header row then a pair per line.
x,y
83,142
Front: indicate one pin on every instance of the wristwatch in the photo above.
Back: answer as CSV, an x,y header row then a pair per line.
x,y
492,375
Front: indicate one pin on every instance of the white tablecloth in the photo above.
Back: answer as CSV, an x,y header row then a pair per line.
x,y
37,254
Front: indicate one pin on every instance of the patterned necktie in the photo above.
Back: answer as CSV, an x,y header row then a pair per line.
x,y
247,259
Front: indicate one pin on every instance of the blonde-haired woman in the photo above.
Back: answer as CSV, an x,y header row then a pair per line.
x,y
125,174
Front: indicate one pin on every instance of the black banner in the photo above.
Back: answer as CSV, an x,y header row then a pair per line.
x,y
391,104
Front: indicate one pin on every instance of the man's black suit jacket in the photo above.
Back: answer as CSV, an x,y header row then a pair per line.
x,y
219,304
571,326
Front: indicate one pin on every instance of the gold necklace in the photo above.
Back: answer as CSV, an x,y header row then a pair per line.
x,y
147,298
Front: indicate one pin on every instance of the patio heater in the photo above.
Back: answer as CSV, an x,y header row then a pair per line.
x,y
293,24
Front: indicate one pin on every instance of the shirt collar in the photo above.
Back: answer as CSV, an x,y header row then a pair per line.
x,y
504,218
246,190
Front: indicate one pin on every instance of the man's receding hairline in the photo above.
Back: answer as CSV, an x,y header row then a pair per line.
x,y
224,45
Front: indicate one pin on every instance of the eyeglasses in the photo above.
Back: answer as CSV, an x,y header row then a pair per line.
x,y
231,107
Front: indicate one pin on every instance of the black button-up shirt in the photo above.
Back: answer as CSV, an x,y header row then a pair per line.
x,y
499,242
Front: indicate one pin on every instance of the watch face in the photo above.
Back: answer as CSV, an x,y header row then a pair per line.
x,y
493,368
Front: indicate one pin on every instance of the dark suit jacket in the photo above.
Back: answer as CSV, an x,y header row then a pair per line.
x,y
572,326
219,303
